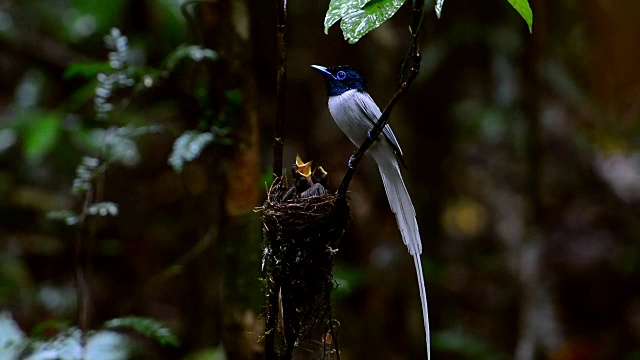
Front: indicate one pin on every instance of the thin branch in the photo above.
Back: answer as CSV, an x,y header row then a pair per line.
x,y
278,136
334,335
418,13
83,253
278,146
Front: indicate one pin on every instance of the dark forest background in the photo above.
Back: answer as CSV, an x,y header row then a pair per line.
x,y
522,153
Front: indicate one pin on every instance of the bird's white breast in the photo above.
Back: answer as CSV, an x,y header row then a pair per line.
x,y
349,115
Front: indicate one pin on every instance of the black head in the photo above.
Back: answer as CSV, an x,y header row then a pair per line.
x,y
319,176
340,79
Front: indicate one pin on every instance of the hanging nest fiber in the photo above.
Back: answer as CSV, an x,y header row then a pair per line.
x,y
301,237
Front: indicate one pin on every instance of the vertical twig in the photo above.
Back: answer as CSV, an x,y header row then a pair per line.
x,y
82,265
278,136
82,287
278,145
334,336
418,13
84,246
272,316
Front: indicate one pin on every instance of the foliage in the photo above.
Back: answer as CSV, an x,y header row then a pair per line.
x,y
103,208
55,129
438,7
67,344
118,75
190,145
146,326
194,52
12,338
361,16
115,145
523,8
40,135
187,147
105,343
465,345
86,172
85,69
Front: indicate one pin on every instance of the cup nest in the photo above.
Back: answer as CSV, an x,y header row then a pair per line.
x,y
301,238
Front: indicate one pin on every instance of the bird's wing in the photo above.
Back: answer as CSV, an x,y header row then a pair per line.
x,y
373,113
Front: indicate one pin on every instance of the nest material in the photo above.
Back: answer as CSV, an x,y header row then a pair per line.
x,y
301,238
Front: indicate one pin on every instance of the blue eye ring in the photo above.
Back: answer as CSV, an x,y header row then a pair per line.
x,y
341,75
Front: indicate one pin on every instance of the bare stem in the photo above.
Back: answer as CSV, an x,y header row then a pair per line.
x,y
82,262
278,146
418,12
278,136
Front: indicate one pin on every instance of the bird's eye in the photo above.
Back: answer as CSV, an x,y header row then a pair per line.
x,y
341,75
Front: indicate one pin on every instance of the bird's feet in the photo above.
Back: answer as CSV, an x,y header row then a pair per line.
x,y
352,161
370,136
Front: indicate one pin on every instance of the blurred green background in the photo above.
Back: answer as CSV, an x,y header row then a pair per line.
x,y
523,165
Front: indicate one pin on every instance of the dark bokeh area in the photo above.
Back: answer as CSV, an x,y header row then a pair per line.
x,y
523,166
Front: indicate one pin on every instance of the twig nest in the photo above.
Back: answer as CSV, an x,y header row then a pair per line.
x,y
301,238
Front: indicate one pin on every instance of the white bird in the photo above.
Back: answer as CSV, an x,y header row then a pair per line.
x,y
355,113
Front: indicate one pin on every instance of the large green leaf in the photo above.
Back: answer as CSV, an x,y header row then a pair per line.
x,y
40,135
338,9
359,16
523,8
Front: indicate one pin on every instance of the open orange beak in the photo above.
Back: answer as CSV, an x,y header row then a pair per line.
x,y
304,168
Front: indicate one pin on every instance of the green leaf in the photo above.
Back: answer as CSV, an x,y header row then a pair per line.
x,y
523,8
48,326
466,345
40,135
146,326
86,69
438,7
359,16
338,9
208,354
70,344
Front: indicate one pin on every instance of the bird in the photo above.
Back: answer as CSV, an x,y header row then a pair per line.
x,y
301,173
355,113
319,179
302,179
301,165
319,176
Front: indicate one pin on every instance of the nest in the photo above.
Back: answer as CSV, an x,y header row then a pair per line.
x,y
301,237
